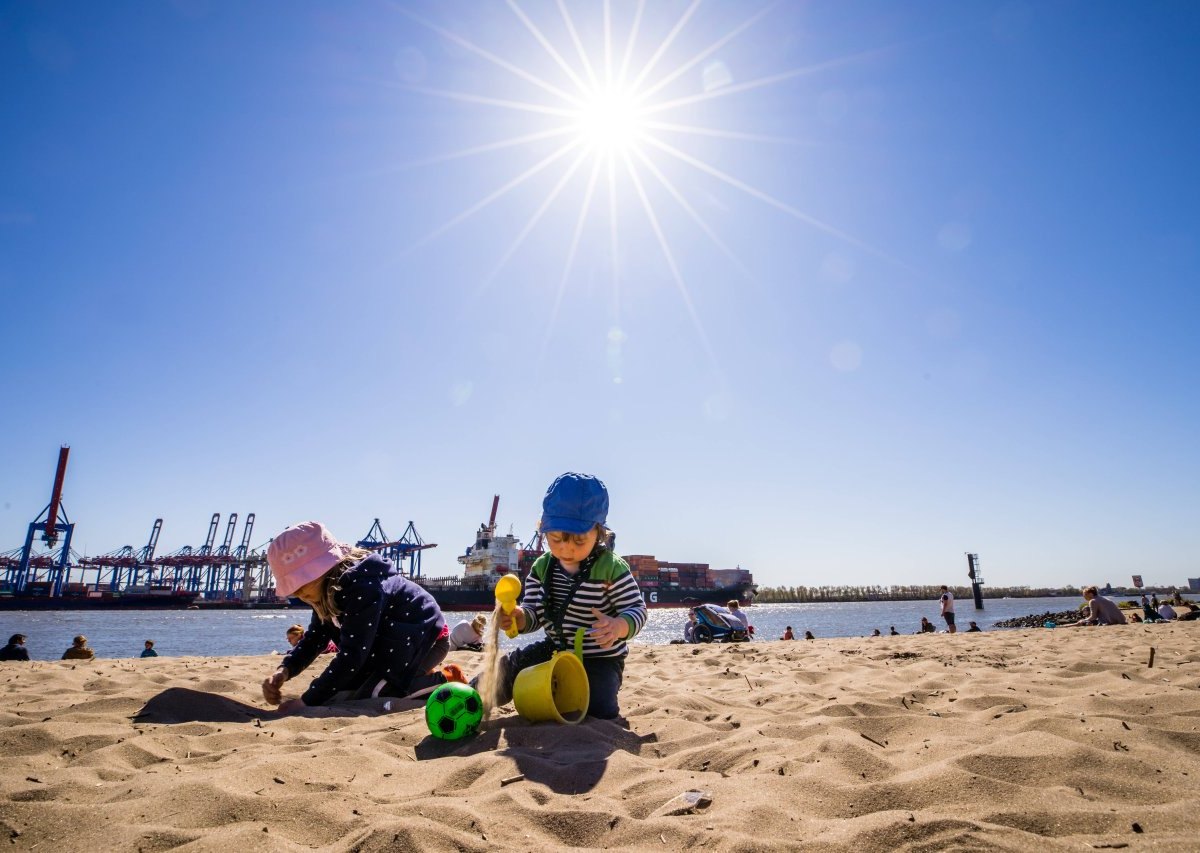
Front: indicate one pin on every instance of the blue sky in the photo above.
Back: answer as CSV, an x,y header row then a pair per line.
x,y
950,304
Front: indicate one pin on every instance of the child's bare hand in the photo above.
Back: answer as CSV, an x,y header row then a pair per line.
x,y
606,630
271,686
292,706
507,620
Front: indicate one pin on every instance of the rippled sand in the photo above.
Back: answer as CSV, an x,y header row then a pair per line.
x,y
1023,740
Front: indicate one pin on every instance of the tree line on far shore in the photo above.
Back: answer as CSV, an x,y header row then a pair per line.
x,y
805,594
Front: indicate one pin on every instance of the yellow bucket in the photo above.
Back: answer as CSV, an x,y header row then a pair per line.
x,y
555,690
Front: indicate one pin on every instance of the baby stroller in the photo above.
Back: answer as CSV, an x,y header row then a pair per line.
x,y
715,623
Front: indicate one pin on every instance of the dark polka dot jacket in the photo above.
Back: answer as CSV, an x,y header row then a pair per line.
x,y
387,626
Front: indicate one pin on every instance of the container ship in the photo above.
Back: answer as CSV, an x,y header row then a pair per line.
x,y
663,584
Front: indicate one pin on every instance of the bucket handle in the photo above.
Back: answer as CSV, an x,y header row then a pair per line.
x,y
579,644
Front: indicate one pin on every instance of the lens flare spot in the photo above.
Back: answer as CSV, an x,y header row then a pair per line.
x,y
944,323
716,76
410,64
717,407
460,394
846,356
954,237
837,267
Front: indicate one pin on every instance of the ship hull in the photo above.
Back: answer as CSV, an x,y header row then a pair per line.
x,y
123,602
481,598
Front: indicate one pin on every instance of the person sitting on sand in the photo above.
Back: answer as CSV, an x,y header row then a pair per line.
x,y
892,632
296,633
787,634
468,636
876,633
580,584
926,627
390,633
15,650
736,611
1149,614
1166,612
1101,610
973,629
808,635
149,652
689,627
79,650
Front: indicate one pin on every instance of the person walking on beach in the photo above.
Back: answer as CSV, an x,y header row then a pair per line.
x,y
947,601
79,650
390,633
580,584
15,650
149,652
1101,610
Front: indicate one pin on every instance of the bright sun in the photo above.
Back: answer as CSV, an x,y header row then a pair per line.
x,y
616,115
609,122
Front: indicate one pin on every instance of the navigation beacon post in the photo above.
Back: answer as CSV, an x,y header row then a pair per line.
x,y
976,579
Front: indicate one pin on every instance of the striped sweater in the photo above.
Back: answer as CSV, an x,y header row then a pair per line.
x,y
610,588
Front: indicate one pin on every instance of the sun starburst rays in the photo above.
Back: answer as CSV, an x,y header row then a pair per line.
x,y
615,108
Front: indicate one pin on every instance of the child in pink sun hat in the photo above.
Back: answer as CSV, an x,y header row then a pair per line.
x,y
390,633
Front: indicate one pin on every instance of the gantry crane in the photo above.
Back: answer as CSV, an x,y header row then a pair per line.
x,y
56,564
405,552
122,568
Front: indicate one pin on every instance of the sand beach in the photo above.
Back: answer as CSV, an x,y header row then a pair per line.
x,y
1017,740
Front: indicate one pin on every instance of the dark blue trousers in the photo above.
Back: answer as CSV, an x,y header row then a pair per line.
x,y
604,677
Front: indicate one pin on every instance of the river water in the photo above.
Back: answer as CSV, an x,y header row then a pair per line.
x,y
257,632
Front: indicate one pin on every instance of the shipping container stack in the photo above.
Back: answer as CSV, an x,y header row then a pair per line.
x,y
729,577
645,570
689,575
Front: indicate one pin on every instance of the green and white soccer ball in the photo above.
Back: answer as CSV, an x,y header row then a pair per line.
x,y
453,711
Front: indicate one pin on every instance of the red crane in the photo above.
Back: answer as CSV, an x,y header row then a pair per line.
x,y
50,537
47,522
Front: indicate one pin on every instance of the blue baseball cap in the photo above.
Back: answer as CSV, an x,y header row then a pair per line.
x,y
574,503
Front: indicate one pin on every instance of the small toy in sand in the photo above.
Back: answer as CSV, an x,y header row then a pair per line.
x,y
453,711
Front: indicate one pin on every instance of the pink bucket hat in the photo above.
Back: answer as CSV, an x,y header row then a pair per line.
x,y
303,553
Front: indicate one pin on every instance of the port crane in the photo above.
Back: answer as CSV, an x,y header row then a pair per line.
x,y
53,569
404,552
124,566
214,572
218,579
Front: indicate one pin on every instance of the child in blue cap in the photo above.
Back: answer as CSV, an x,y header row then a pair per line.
x,y
580,583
